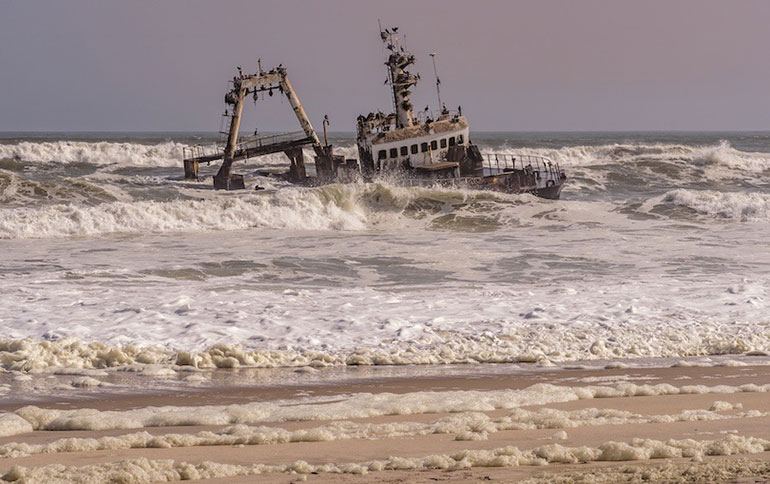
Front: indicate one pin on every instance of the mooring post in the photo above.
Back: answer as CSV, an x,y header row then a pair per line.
x,y
190,169
297,169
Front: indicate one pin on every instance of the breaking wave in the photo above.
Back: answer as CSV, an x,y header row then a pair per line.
x,y
96,153
102,153
726,205
92,200
722,154
331,207
289,209
18,191
170,153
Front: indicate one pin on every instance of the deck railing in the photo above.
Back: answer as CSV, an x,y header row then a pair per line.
x,y
544,168
244,143
199,151
256,141
422,116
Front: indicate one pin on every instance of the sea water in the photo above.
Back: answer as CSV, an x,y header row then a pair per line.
x,y
657,248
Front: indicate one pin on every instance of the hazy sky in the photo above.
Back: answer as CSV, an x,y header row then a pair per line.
x,y
512,65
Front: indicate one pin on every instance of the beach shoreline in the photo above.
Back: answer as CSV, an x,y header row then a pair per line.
x,y
680,402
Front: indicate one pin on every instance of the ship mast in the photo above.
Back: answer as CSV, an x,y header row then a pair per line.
x,y
400,80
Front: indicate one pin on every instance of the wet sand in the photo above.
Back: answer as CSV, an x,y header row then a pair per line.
x,y
745,414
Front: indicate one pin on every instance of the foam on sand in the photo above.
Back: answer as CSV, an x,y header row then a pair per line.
x,y
365,405
716,470
145,470
465,425
12,424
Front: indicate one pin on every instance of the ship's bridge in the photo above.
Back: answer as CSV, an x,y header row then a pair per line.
x,y
418,145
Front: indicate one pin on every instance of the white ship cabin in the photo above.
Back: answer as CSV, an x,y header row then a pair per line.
x,y
418,145
403,140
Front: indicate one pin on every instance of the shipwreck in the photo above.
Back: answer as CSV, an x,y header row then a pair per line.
x,y
422,148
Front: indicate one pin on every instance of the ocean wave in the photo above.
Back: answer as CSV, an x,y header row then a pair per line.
x,y
330,207
166,154
721,155
170,153
726,205
288,209
97,153
19,191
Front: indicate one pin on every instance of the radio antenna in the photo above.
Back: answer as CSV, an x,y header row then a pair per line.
x,y
438,81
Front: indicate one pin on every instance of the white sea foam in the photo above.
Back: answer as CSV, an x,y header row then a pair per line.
x,y
518,343
265,328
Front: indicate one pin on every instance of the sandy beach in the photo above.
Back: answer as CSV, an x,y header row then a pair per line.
x,y
569,424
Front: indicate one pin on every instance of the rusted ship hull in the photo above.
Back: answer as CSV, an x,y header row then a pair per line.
x,y
506,173
510,182
513,186
552,192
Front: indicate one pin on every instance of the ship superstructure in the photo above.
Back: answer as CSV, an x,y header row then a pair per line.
x,y
402,140
436,146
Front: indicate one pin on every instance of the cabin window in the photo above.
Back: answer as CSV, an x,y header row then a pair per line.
x,y
382,155
404,151
414,149
443,142
394,152
424,147
451,141
434,145
460,139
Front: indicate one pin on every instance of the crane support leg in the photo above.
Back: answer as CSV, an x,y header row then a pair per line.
x,y
224,178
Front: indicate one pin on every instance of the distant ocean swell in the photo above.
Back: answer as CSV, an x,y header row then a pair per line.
x,y
42,200
170,153
97,153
